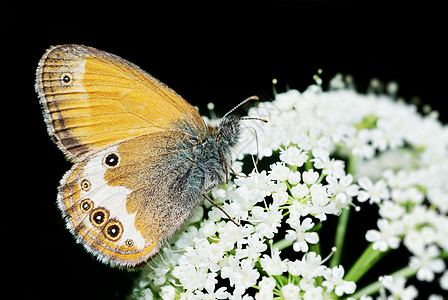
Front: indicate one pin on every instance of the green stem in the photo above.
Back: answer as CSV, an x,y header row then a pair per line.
x,y
405,272
281,280
366,261
308,164
315,248
341,230
374,287
351,165
282,244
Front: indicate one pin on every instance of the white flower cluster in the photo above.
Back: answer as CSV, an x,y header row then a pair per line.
x,y
330,148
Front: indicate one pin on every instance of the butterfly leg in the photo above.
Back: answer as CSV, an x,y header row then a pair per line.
x,y
236,174
220,208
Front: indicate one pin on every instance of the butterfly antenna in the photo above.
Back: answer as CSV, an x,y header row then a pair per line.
x,y
254,118
243,102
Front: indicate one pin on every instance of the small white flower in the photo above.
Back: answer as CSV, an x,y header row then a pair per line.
x,y
253,248
147,295
419,216
290,291
300,191
408,194
397,288
220,293
414,241
241,275
444,281
167,292
230,234
361,144
320,157
391,210
427,263
264,295
280,197
266,285
319,204
299,235
294,178
229,265
314,293
267,222
334,280
298,209
302,141
279,172
208,228
273,264
375,192
387,134
189,276
185,239
257,185
310,177
286,101
249,276
387,236
307,283
294,156
310,266
329,166
439,198
342,188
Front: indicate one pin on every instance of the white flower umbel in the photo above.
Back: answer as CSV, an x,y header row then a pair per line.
x,y
321,153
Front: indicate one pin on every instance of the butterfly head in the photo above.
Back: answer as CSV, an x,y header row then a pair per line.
x,y
228,131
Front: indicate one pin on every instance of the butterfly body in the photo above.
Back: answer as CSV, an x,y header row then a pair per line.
x,y
142,155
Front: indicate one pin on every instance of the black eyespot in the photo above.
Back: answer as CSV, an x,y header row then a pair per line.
x,y
99,216
113,230
111,160
86,205
85,185
66,78
129,243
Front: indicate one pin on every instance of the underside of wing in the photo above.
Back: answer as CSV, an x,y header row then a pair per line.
x,y
125,201
93,99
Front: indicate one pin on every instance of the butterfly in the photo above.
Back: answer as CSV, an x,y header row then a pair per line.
x,y
143,156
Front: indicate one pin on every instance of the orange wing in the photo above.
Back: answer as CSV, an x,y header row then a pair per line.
x,y
93,99
145,197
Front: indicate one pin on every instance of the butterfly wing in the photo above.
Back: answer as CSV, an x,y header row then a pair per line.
x,y
133,183
125,201
93,99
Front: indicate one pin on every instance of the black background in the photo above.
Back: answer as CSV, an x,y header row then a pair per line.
x,y
206,51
